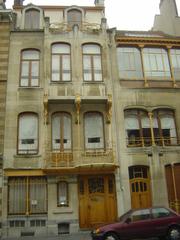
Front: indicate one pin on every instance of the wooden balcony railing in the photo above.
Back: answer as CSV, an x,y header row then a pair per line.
x,y
74,159
147,141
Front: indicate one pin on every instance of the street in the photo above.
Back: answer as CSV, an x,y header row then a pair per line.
x,y
74,236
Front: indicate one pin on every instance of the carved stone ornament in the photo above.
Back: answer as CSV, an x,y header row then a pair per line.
x,y
109,108
78,106
45,102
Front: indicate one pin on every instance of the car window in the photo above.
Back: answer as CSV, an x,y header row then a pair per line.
x,y
139,215
160,212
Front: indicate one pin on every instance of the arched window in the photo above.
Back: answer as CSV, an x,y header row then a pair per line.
x,y
32,19
28,133
74,17
61,131
94,131
29,68
129,63
61,62
92,65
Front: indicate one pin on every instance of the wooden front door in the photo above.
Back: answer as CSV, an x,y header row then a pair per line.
x,y
97,200
173,187
140,187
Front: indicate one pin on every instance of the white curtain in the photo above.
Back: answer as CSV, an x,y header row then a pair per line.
x,y
167,122
131,123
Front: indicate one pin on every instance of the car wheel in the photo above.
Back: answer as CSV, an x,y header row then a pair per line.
x,y
111,236
174,233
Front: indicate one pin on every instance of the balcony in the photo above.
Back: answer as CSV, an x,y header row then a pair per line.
x,y
147,141
80,161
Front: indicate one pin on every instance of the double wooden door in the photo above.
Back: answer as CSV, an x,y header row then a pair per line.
x,y
97,200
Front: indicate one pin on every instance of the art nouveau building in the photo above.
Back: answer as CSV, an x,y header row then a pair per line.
x,y
147,114
92,119
59,155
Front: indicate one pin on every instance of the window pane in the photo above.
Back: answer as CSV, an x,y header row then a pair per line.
x,y
74,17
25,74
94,135
61,48
175,56
62,194
56,132
129,62
55,68
87,68
28,133
67,132
30,55
140,215
17,196
91,49
156,63
34,74
38,195
97,68
66,68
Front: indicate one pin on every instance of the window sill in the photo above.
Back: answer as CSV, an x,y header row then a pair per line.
x,y
27,155
27,88
63,210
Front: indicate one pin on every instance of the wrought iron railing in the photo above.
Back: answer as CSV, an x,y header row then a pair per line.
x,y
147,141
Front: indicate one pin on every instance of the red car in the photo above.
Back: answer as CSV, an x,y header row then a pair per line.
x,y
158,222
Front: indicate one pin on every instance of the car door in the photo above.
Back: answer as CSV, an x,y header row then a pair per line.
x,y
138,225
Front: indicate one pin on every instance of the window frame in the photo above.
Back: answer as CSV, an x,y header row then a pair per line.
x,y
72,23
18,129
92,64
60,63
31,20
29,61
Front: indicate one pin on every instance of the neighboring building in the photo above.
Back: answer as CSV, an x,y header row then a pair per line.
x,y
59,163
168,21
92,119
5,25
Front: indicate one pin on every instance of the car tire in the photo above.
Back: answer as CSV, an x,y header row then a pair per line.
x,y
174,233
111,236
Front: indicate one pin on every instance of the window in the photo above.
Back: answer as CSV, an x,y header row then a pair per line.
x,y
92,66
160,212
28,133
167,128
38,223
140,215
29,68
129,63
138,128
94,134
23,190
156,63
61,63
61,131
62,194
138,172
32,19
74,17
175,56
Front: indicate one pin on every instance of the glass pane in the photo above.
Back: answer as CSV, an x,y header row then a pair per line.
x,y
62,193
175,56
97,68
30,54
17,196
25,74
56,132
34,73
55,68
96,185
61,48
87,68
94,135
66,68
38,195
91,49
74,17
32,19
67,132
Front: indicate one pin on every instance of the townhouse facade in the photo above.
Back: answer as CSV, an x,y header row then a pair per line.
x,y
5,26
92,119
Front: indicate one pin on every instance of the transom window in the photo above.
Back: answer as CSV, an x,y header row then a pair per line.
x,y
92,65
28,133
139,132
74,17
62,193
175,55
32,19
156,63
94,132
61,64
27,195
29,68
61,131
129,63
